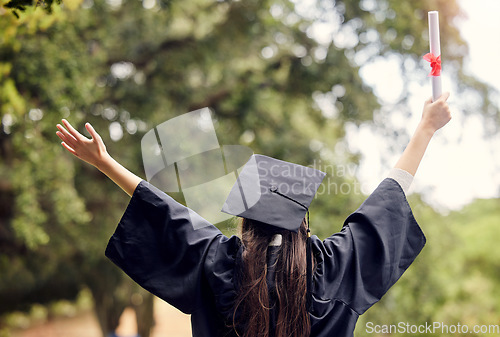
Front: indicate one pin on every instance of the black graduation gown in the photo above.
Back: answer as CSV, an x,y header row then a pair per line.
x,y
181,258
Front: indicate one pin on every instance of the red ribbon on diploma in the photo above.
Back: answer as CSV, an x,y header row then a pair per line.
x,y
435,63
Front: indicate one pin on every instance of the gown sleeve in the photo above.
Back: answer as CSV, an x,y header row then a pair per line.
x,y
377,243
162,246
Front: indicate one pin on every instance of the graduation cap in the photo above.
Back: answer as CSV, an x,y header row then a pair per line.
x,y
275,193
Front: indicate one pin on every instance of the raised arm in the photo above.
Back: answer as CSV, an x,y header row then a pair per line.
x,y
435,116
93,151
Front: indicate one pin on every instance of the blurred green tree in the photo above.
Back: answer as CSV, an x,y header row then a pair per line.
x,y
454,280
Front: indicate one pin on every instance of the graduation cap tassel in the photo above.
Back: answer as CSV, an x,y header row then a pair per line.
x,y
309,266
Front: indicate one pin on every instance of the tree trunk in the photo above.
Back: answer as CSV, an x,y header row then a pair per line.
x,y
145,314
108,309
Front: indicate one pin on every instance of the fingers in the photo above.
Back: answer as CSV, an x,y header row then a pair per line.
x,y
444,97
69,148
77,135
65,136
92,132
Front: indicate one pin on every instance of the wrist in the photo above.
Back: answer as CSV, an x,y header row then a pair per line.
x,y
104,163
425,129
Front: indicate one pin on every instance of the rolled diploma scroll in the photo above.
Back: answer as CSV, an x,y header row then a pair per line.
x,y
436,50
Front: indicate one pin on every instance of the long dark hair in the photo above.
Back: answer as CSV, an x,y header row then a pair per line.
x,y
252,306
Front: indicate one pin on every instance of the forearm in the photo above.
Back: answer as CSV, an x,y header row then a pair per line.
x,y
414,152
119,174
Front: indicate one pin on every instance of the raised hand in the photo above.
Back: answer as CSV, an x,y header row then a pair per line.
x,y
92,151
436,115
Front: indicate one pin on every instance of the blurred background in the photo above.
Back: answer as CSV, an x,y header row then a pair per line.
x,y
338,85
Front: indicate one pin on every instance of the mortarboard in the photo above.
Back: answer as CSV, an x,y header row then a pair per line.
x,y
278,194
274,192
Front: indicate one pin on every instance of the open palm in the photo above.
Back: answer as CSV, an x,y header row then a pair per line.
x,y
91,151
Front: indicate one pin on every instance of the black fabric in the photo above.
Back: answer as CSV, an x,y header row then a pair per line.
x,y
197,270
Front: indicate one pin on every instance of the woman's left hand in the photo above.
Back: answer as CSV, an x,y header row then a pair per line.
x,y
92,151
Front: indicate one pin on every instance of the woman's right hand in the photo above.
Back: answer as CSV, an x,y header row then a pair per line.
x,y
436,114
434,117
92,151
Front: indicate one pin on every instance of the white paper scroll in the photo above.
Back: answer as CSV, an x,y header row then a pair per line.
x,y
436,50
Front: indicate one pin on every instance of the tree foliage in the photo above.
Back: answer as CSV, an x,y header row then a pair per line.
x,y
454,280
21,5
